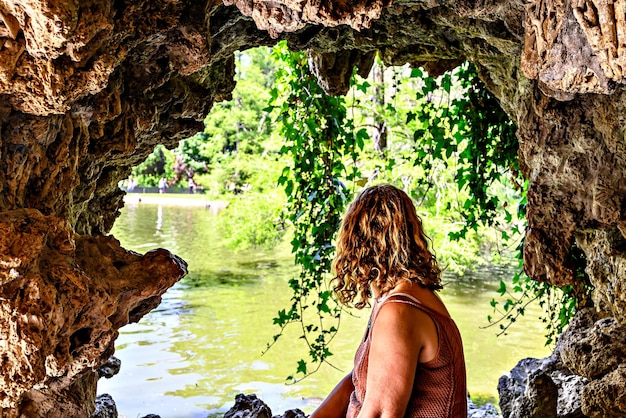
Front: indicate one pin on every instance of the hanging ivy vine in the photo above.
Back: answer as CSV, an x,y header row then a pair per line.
x,y
323,148
470,127
464,126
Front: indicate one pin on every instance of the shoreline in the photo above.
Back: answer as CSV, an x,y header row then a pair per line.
x,y
172,200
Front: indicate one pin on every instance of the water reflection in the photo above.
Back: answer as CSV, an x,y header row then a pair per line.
x,y
202,346
224,277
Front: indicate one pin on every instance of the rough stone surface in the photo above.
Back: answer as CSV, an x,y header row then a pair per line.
x,y
105,407
292,413
249,406
572,158
593,351
541,388
53,334
87,89
291,15
606,397
606,267
575,46
540,398
334,71
110,368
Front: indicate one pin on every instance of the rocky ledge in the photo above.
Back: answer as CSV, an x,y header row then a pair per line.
x,y
584,376
249,406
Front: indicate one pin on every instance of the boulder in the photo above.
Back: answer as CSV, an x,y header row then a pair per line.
x,y
105,407
110,368
541,388
249,406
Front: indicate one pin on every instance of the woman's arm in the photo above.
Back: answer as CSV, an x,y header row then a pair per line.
x,y
399,334
336,403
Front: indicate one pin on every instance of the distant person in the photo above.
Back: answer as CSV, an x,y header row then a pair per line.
x,y
162,185
191,185
132,183
410,362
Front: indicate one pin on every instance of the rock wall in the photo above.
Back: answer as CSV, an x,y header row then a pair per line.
x,y
87,89
63,296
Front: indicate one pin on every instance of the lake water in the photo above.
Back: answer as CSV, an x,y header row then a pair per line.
x,y
203,345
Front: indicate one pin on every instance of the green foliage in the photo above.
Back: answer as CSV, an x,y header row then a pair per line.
x,y
252,220
559,304
472,128
236,131
410,103
322,146
456,255
239,173
158,164
469,129
445,141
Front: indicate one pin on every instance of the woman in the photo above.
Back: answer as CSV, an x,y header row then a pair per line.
x,y
410,362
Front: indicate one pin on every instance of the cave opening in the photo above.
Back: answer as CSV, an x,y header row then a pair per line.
x,y
88,90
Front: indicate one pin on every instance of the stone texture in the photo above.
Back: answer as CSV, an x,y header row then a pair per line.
x,y
291,15
249,406
541,388
606,267
53,334
606,397
587,369
87,89
105,407
110,368
334,70
592,350
572,155
575,46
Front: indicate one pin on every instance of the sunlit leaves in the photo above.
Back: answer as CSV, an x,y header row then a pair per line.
x,y
471,128
319,139
457,127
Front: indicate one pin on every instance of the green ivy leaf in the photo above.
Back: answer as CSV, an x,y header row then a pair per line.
x,y
502,288
301,367
417,73
363,86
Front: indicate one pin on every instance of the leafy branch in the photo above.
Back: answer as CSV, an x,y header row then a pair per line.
x,y
323,148
468,125
459,125
559,304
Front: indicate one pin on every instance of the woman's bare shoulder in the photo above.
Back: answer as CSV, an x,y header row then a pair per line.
x,y
404,315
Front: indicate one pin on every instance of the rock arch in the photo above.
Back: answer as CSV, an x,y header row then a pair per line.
x,y
87,89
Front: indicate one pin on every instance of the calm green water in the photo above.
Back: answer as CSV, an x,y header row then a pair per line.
x,y
203,344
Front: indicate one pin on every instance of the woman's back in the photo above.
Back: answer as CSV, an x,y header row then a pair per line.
x,y
439,388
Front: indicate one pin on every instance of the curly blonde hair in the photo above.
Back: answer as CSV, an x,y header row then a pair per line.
x,y
381,241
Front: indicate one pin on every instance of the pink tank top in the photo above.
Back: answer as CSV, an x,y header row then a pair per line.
x,y
439,389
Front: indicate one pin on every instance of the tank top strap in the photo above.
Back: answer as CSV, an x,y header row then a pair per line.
x,y
413,301
412,298
401,298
